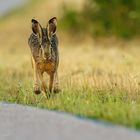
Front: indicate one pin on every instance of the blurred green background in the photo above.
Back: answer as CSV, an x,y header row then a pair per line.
x,y
119,18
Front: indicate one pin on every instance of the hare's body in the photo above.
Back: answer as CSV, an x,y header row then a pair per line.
x,y
45,58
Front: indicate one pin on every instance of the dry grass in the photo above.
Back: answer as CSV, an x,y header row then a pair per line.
x,y
97,81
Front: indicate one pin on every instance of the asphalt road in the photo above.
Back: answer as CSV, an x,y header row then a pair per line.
x,y
19,122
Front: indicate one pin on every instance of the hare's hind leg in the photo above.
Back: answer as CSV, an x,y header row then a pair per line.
x,y
36,86
56,83
51,82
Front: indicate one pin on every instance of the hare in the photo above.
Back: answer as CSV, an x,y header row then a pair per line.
x,y
43,44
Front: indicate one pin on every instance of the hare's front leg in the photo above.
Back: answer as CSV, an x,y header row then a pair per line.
x,y
36,86
44,87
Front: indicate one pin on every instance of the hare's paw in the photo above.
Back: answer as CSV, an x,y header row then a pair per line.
x,y
56,90
36,89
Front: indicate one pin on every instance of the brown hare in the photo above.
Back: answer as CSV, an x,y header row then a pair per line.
x,y
43,43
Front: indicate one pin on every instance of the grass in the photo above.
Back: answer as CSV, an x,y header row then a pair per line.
x,y
98,82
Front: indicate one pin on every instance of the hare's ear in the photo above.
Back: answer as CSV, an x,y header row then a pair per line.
x,y
51,26
35,26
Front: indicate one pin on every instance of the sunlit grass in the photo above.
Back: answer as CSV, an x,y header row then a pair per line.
x,y
98,82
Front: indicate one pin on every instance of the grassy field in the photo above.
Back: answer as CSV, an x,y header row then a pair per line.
x,y
98,81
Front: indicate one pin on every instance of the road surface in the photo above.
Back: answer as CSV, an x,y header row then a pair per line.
x,y
19,122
